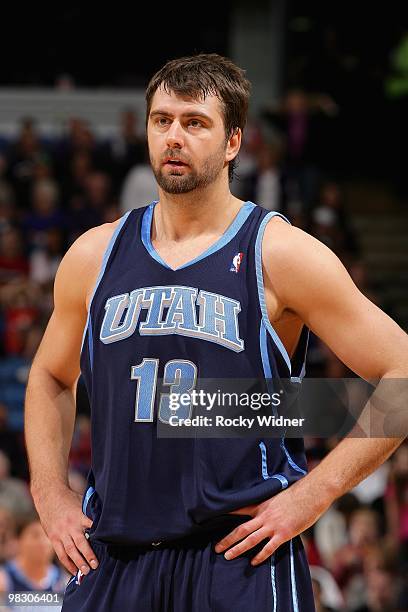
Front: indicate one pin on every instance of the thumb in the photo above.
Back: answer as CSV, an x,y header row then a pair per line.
x,y
86,522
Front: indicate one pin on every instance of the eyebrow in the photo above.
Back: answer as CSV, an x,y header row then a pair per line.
x,y
186,114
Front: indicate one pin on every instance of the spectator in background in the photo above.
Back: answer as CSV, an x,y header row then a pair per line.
x,y
8,207
45,213
14,369
348,566
128,148
383,592
396,498
76,174
242,185
21,304
303,123
32,568
139,188
11,442
325,229
22,158
7,535
44,261
331,212
14,493
267,187
14,265
79,139
88,210
327,595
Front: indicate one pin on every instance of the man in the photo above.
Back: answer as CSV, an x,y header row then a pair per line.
x,y
198,284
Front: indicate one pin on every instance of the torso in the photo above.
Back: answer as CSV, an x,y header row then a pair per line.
x,y
287,323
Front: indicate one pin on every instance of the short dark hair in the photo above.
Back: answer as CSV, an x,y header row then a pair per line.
x,y
206,74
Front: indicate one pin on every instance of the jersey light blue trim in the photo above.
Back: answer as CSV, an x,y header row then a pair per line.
x,y
90,343
68,583
90,491
293,580
146,234
261,290
273,581
268,376
290,460
265,361
265,475
106,255
227,236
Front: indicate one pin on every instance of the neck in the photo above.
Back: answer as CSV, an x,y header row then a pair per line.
x,y
187,215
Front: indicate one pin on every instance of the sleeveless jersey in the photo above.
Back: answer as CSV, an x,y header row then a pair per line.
x,y
147,321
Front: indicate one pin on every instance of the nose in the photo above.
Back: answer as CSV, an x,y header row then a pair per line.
x,y
175,136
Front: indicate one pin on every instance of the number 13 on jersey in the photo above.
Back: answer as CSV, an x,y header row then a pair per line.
x,y
180,375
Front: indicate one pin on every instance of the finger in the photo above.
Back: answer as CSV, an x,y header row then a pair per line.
x,y
82,545
237,534
86,522
267,550
65,560
252,540
75,556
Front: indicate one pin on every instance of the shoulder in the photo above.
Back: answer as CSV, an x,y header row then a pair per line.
x,y
295,262
96,238
286,245
80,265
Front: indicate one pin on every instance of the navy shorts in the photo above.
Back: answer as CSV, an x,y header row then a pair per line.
x,y
189,576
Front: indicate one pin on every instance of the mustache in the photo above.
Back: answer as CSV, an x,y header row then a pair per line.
x,y
175,154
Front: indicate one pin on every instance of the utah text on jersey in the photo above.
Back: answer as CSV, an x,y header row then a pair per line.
x,y
217,319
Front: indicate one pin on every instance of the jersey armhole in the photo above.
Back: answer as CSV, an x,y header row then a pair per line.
x,y
265,322
105,260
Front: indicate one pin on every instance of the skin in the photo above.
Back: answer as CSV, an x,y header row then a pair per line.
x,y
305,283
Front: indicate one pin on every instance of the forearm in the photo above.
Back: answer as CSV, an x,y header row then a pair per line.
x,y
49,423
357,456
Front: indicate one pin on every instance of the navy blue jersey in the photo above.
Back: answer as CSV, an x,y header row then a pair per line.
x,y
204,319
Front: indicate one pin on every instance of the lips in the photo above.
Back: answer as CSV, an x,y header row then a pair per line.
x,y
174,162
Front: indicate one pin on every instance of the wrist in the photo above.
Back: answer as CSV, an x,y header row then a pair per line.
x,y
44,489
326,486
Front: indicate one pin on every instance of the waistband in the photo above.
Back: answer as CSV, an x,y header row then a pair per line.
x,y
201,539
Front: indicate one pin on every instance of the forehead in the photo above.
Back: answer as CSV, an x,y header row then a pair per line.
x,y
177,104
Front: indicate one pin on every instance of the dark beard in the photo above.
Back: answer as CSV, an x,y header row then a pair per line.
x,y
184,183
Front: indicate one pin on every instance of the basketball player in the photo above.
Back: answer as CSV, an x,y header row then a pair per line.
x,y
197,284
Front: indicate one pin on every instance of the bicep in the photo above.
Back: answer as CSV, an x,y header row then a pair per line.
x,y
320,290
59,351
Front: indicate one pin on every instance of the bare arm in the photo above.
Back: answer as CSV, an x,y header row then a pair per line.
x,y
50,402
310,280
313,282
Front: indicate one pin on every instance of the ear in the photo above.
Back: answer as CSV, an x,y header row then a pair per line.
x,y
233,145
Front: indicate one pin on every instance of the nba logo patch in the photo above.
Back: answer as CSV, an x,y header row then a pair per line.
x,y
236,262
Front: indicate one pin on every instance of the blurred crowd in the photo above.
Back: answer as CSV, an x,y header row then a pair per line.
x,y
54,189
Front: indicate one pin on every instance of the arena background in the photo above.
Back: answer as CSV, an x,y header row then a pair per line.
x,y
72,156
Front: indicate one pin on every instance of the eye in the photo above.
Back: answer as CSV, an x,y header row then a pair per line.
x,y
195,123
162,121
